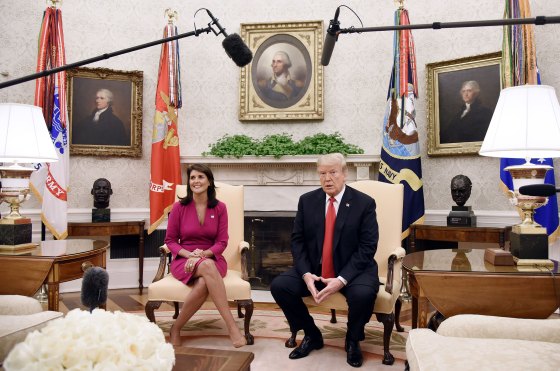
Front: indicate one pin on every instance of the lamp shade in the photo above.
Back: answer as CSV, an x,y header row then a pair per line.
x,y
24,137
525,124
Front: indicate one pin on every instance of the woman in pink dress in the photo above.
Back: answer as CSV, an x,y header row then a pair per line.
x,y
197,235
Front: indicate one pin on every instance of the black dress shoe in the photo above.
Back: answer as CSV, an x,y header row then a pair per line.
x,y
354,354
307,345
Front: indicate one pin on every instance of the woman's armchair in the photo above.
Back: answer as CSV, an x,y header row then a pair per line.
x,y
389,255
165,288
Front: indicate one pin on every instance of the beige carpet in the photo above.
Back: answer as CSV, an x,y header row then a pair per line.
x,y
207,330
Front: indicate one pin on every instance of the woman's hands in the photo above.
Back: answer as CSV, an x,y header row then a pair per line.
x,y
193,258
190,264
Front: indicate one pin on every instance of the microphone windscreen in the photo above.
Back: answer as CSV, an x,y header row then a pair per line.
x,y
538,190
94,287
328,47
237,50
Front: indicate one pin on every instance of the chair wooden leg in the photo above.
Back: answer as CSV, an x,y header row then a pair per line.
x,y
248,306
388,321
291,342
176,304
398,306
333,315
149,309
240,312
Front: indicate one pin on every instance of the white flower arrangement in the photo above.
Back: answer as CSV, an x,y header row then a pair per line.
x,y
94,341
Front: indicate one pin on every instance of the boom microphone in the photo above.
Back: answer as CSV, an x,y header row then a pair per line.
x,y
538,190
234,46
94,287
330,38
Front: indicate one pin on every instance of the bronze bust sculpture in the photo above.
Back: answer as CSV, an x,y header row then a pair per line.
x,y
461,187
101,192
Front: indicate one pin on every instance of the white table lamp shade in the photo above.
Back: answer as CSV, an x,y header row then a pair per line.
x,y
24,137
525,124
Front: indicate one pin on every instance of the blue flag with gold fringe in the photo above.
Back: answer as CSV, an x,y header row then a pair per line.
x,y
400,153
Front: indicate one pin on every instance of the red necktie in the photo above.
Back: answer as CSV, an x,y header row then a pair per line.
x,y
328,266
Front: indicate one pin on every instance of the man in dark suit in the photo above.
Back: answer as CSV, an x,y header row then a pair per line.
x,y
325,265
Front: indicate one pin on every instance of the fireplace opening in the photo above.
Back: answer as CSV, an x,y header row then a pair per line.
x,y
268,234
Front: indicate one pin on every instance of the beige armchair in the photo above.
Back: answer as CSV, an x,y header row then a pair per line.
x,y
389,255
165,288
19,316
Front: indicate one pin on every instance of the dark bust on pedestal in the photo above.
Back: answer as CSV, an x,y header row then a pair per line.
x,y
101,192
461,215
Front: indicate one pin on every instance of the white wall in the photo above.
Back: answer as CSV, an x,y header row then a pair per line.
x,y
354,88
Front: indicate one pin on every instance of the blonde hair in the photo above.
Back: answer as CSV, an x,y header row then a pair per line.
x,y
331,159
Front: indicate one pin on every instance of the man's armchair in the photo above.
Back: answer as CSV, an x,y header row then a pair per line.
x,y
389,255
165,288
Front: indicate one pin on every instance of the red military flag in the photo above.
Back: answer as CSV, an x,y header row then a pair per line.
x,y
165,166
50,182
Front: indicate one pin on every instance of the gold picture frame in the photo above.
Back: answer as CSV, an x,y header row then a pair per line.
x,y
452,128
297,97
105,112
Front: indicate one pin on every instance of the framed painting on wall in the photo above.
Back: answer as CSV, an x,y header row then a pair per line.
x,y
462,96
105,112
284,81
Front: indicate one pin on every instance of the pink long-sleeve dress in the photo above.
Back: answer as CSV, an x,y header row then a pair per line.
x,y
184,231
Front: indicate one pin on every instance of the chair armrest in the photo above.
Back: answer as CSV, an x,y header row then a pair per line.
x,y
395,258
164,252
244,250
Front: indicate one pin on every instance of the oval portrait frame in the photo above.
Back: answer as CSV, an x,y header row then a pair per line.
x,y
301,64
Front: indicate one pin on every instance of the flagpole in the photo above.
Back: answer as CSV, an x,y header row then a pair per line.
x,y
539,21
102,57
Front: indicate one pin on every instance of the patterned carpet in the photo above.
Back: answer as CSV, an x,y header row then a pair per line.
x,y
207,329
268,325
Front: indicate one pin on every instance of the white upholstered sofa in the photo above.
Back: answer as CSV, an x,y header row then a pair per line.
x,y
20,315
475,342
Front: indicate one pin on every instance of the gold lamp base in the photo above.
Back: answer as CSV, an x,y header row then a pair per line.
x,y
528,239
15,230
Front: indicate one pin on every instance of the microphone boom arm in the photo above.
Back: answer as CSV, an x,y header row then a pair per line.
x,y
51,71
538,21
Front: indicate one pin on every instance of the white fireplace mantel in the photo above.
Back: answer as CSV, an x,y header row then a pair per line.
x,y
275,184
287,170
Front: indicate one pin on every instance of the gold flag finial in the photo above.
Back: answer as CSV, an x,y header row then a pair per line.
x,y
171,15
399,3
54,3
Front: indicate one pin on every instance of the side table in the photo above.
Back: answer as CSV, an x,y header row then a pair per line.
x,y
456,234
51,262
116,228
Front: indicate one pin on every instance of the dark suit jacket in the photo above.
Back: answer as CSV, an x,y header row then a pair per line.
x,y
355,235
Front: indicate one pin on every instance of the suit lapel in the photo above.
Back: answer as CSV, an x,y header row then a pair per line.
x,y
343,212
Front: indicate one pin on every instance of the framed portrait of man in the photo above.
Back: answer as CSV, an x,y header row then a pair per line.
x,y
284,81
105,112
462,96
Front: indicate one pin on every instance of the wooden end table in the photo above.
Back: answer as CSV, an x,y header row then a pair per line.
x,y
460,281
52,262
456,234
114,228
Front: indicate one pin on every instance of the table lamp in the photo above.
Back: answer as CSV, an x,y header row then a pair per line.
x,y
24,139
526,124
